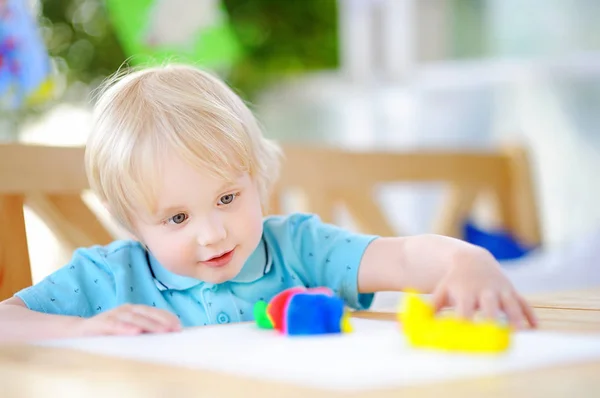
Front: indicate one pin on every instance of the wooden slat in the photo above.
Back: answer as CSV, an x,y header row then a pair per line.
x,y
367,214
320,202
15,272
339,168
504,193
586,299
564,320
455,210
525,212
70,219
25,168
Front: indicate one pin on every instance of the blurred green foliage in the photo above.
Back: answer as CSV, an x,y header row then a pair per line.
x,y
80,38
282,38
279,38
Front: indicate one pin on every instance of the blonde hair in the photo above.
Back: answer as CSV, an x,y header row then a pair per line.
x,y
142,114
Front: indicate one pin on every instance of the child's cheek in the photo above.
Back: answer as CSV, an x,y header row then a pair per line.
x,y
170,252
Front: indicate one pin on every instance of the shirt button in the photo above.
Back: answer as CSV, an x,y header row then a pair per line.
x,y
222,318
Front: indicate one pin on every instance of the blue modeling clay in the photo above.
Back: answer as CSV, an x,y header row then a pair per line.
x,y
309,314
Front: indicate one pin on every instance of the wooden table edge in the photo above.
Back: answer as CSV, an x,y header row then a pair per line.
x,y
47,368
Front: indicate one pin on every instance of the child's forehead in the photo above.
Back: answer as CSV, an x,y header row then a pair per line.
x,y
174,175
174,169
179,178
177,191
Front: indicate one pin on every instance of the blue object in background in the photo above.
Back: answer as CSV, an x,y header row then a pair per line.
x,y
24,62
501,244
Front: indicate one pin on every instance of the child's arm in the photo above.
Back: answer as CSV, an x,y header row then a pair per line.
x,y
457,273
18,323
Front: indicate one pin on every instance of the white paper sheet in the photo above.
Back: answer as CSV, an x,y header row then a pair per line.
x,y
374,356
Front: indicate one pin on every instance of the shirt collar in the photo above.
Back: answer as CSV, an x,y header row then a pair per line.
x,y
258,264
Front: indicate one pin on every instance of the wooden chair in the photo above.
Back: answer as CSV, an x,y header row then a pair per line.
x,y
51,180
330,177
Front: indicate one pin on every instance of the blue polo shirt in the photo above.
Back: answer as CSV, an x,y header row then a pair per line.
x,y
295,250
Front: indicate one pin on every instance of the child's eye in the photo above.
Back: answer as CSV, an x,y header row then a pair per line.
x,y
227,199
178,218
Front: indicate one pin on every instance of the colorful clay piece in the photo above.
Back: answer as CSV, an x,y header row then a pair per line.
x,y
277,307
261,317
424,330
303,311
313,314
346,324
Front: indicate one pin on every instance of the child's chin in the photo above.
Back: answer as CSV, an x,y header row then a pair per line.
x,y
221,275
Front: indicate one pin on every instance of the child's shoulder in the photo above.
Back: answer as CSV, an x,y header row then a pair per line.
x,y
302,226
114,251
290,223
288,218
308,227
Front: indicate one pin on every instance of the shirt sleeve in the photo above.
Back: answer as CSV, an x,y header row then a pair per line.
x,y
84,287
330,256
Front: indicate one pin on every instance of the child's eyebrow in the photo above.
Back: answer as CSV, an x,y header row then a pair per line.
x,y
227,186
172,210
162,213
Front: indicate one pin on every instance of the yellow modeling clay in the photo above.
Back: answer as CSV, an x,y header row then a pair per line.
x,y
423,329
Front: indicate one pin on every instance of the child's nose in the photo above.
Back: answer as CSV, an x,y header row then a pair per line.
x,y
211,232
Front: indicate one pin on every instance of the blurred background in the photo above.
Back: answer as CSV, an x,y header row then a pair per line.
x,y
393,75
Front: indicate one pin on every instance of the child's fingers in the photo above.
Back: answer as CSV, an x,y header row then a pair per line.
x,y
439,299
115,326
528,311
145,323
512,308
465,306
489,305
164,318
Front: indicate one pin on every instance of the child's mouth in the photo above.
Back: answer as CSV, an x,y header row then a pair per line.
x,y
219,261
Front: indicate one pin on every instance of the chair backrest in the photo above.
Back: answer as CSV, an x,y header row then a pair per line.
x,y
51,180
327,177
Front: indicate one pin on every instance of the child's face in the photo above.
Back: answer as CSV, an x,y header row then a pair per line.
x,y
204,228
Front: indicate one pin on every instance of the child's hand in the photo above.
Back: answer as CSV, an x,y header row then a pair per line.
x,y
479,284
130,319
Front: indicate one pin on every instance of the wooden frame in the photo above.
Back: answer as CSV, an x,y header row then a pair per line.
x,y
51,180
332,176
